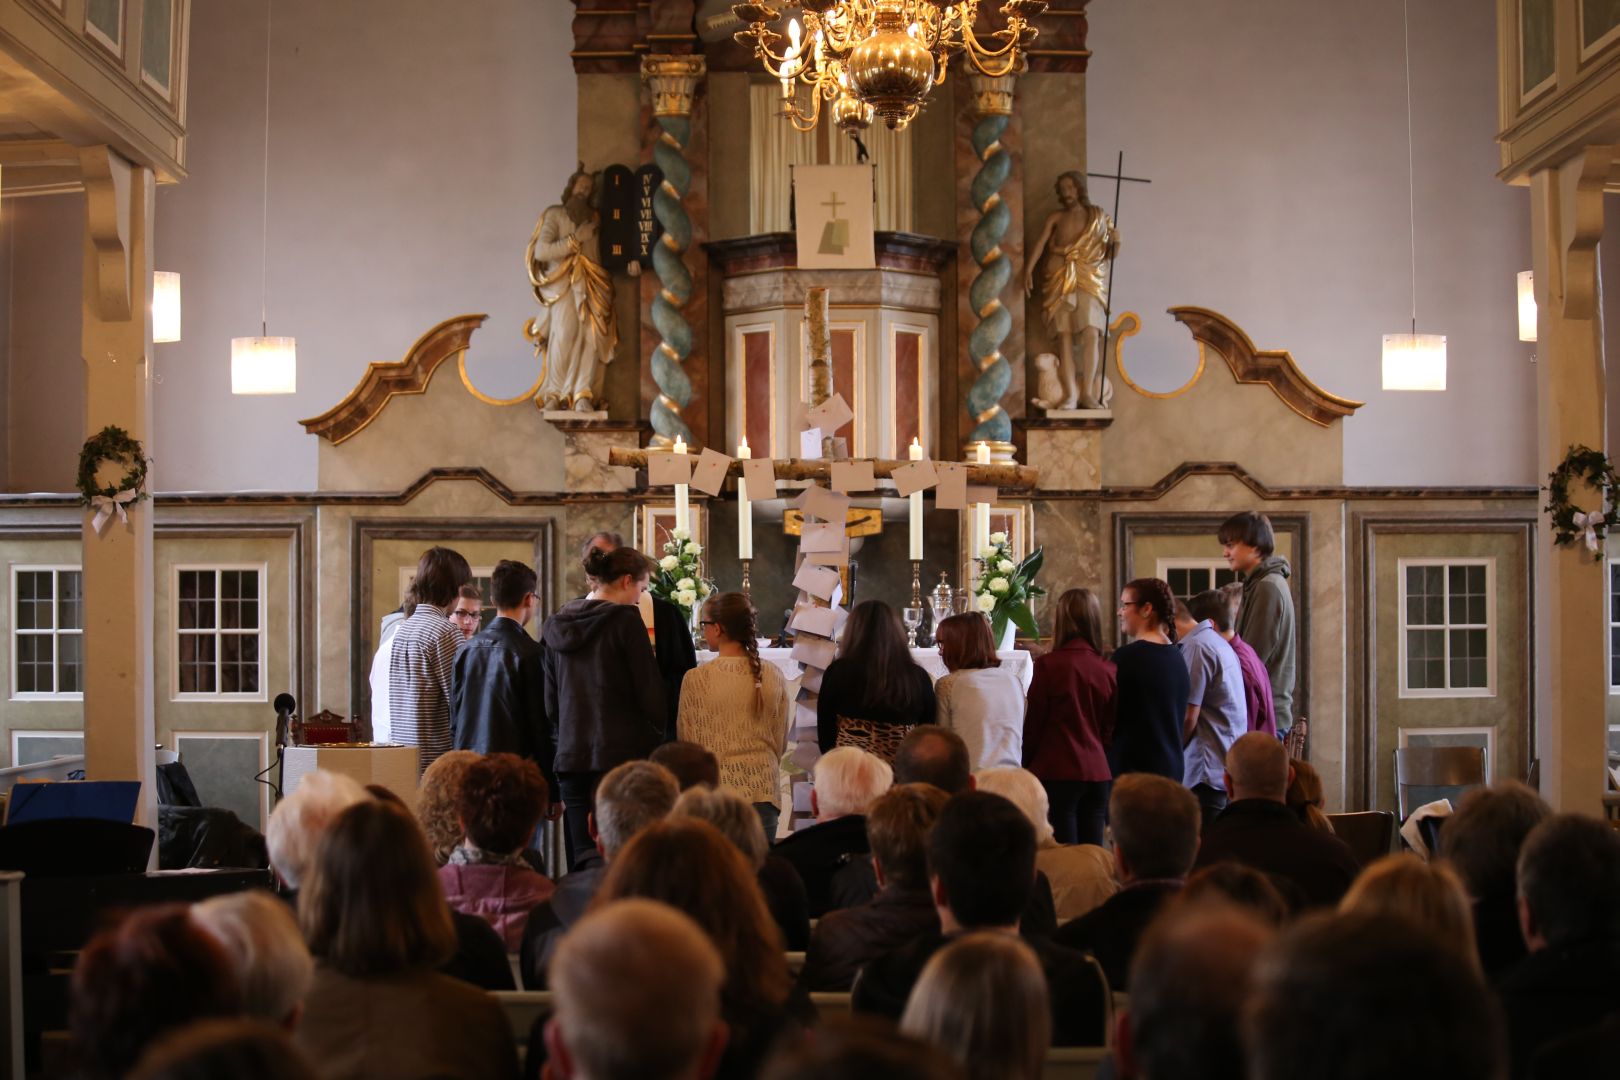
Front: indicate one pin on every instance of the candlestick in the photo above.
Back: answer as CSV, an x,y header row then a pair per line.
x,y
916,583
745,515
916,504
747,581
683,510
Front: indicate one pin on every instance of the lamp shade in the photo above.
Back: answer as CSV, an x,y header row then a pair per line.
x,y
1414,361
1527,305
165,306
264,365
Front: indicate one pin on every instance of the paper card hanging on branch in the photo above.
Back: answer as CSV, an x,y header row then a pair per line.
x,y
816,581
810,444
821,537
814,652
824,504
850,476
831,414
913,477
759,479
812,679
951,494
817,620
664,469
709,474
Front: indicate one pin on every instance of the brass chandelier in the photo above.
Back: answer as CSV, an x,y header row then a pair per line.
x,y
880,58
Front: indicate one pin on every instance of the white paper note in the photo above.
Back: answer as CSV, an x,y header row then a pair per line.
x,y
665,468
827,505
709,474
817,582
816,620
951,494
822,537
831,414
810,444
914,476
759,477
814,651
853,476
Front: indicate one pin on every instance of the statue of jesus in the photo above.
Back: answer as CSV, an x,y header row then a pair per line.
x,y
1073,256
575,329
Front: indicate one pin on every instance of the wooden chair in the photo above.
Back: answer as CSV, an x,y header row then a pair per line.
x,y
1073,1062
830,1004
1436,766
1370,835
795,963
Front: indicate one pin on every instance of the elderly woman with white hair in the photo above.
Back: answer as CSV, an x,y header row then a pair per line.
x,y
272,963
1082,875
738,821
847,779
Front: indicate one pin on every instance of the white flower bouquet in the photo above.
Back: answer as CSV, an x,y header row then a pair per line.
x,y
1006,586
679,578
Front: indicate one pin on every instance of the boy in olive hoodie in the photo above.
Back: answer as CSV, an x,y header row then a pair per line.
x,y
1266,618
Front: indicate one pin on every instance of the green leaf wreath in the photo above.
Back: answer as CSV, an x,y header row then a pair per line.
x,y
1570,523
112,444
1006,587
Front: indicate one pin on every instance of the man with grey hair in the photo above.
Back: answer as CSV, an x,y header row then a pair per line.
x,y
1257,829
847,779
638,997
273,966
630,797
1481,841
298,820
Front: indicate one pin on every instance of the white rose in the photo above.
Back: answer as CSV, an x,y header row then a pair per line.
x,y
686,598
998,538
686,584
1006,566
681,534
988,553
669,562
703,588
986,603
998,585
694,549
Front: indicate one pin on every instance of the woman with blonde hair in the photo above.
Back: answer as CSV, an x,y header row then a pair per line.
x,y
978,698
982,999
1306,798
378,926
736,706
1427,894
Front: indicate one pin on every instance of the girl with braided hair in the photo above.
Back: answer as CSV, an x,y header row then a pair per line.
x,y
1154,687
736,706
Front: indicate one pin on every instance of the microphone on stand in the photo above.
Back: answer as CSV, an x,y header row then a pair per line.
x,y
285,705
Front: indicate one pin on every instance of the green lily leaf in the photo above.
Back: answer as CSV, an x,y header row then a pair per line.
x,y
1024,619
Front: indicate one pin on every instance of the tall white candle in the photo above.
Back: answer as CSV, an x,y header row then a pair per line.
x,y
981,511
683,511
745,513
916,497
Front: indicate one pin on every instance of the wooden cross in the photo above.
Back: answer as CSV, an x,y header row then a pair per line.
x,y
833,203
1120,179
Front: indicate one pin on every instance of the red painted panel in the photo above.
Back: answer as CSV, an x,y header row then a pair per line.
x,y
756,372
907,419
843,362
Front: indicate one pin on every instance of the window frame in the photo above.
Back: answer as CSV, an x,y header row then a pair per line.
x,y
55,570
1163,565
1489,690
217,631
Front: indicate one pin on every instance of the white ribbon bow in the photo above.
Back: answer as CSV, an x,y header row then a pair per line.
x,y
1589,522
106,507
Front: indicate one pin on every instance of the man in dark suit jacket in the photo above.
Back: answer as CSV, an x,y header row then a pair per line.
x,y
1155,824
1569,910
847,780
672,637
981,866
1257,829
497,689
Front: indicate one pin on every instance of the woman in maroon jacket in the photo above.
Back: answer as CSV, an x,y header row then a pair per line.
x,y
1070,721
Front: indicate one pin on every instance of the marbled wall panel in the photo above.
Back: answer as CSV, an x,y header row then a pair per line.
x,y
1079,553
580,522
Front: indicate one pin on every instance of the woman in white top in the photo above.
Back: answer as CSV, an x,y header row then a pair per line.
x,y
979,699
736,706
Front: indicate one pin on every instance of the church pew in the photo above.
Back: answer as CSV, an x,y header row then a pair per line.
x,y
1073,1062
795,963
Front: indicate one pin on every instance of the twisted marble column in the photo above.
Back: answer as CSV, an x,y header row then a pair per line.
x,y
993,102
673,80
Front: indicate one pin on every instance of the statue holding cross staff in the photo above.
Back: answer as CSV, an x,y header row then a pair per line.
x,y
1073,256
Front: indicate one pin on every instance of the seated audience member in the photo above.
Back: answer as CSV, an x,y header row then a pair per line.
x,y
1081,875
1305,796
1481,841
501,801
297,822
1587,1052
153,971
1236,885
740,823
846,781
1154,822
1189,981
691,764
690,866
979,699
858,1048
377,924
638,995
217,1049
982,1000
1220,607
897,825
1426,894
1259,830
1569,910
272,964
981,867
1354,996
436,798
630,797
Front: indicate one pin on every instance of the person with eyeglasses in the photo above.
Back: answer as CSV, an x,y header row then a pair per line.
x,y
1152,681
468,612
498,687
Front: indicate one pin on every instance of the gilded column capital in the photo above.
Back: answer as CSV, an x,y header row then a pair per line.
x,y
993,95
673,80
